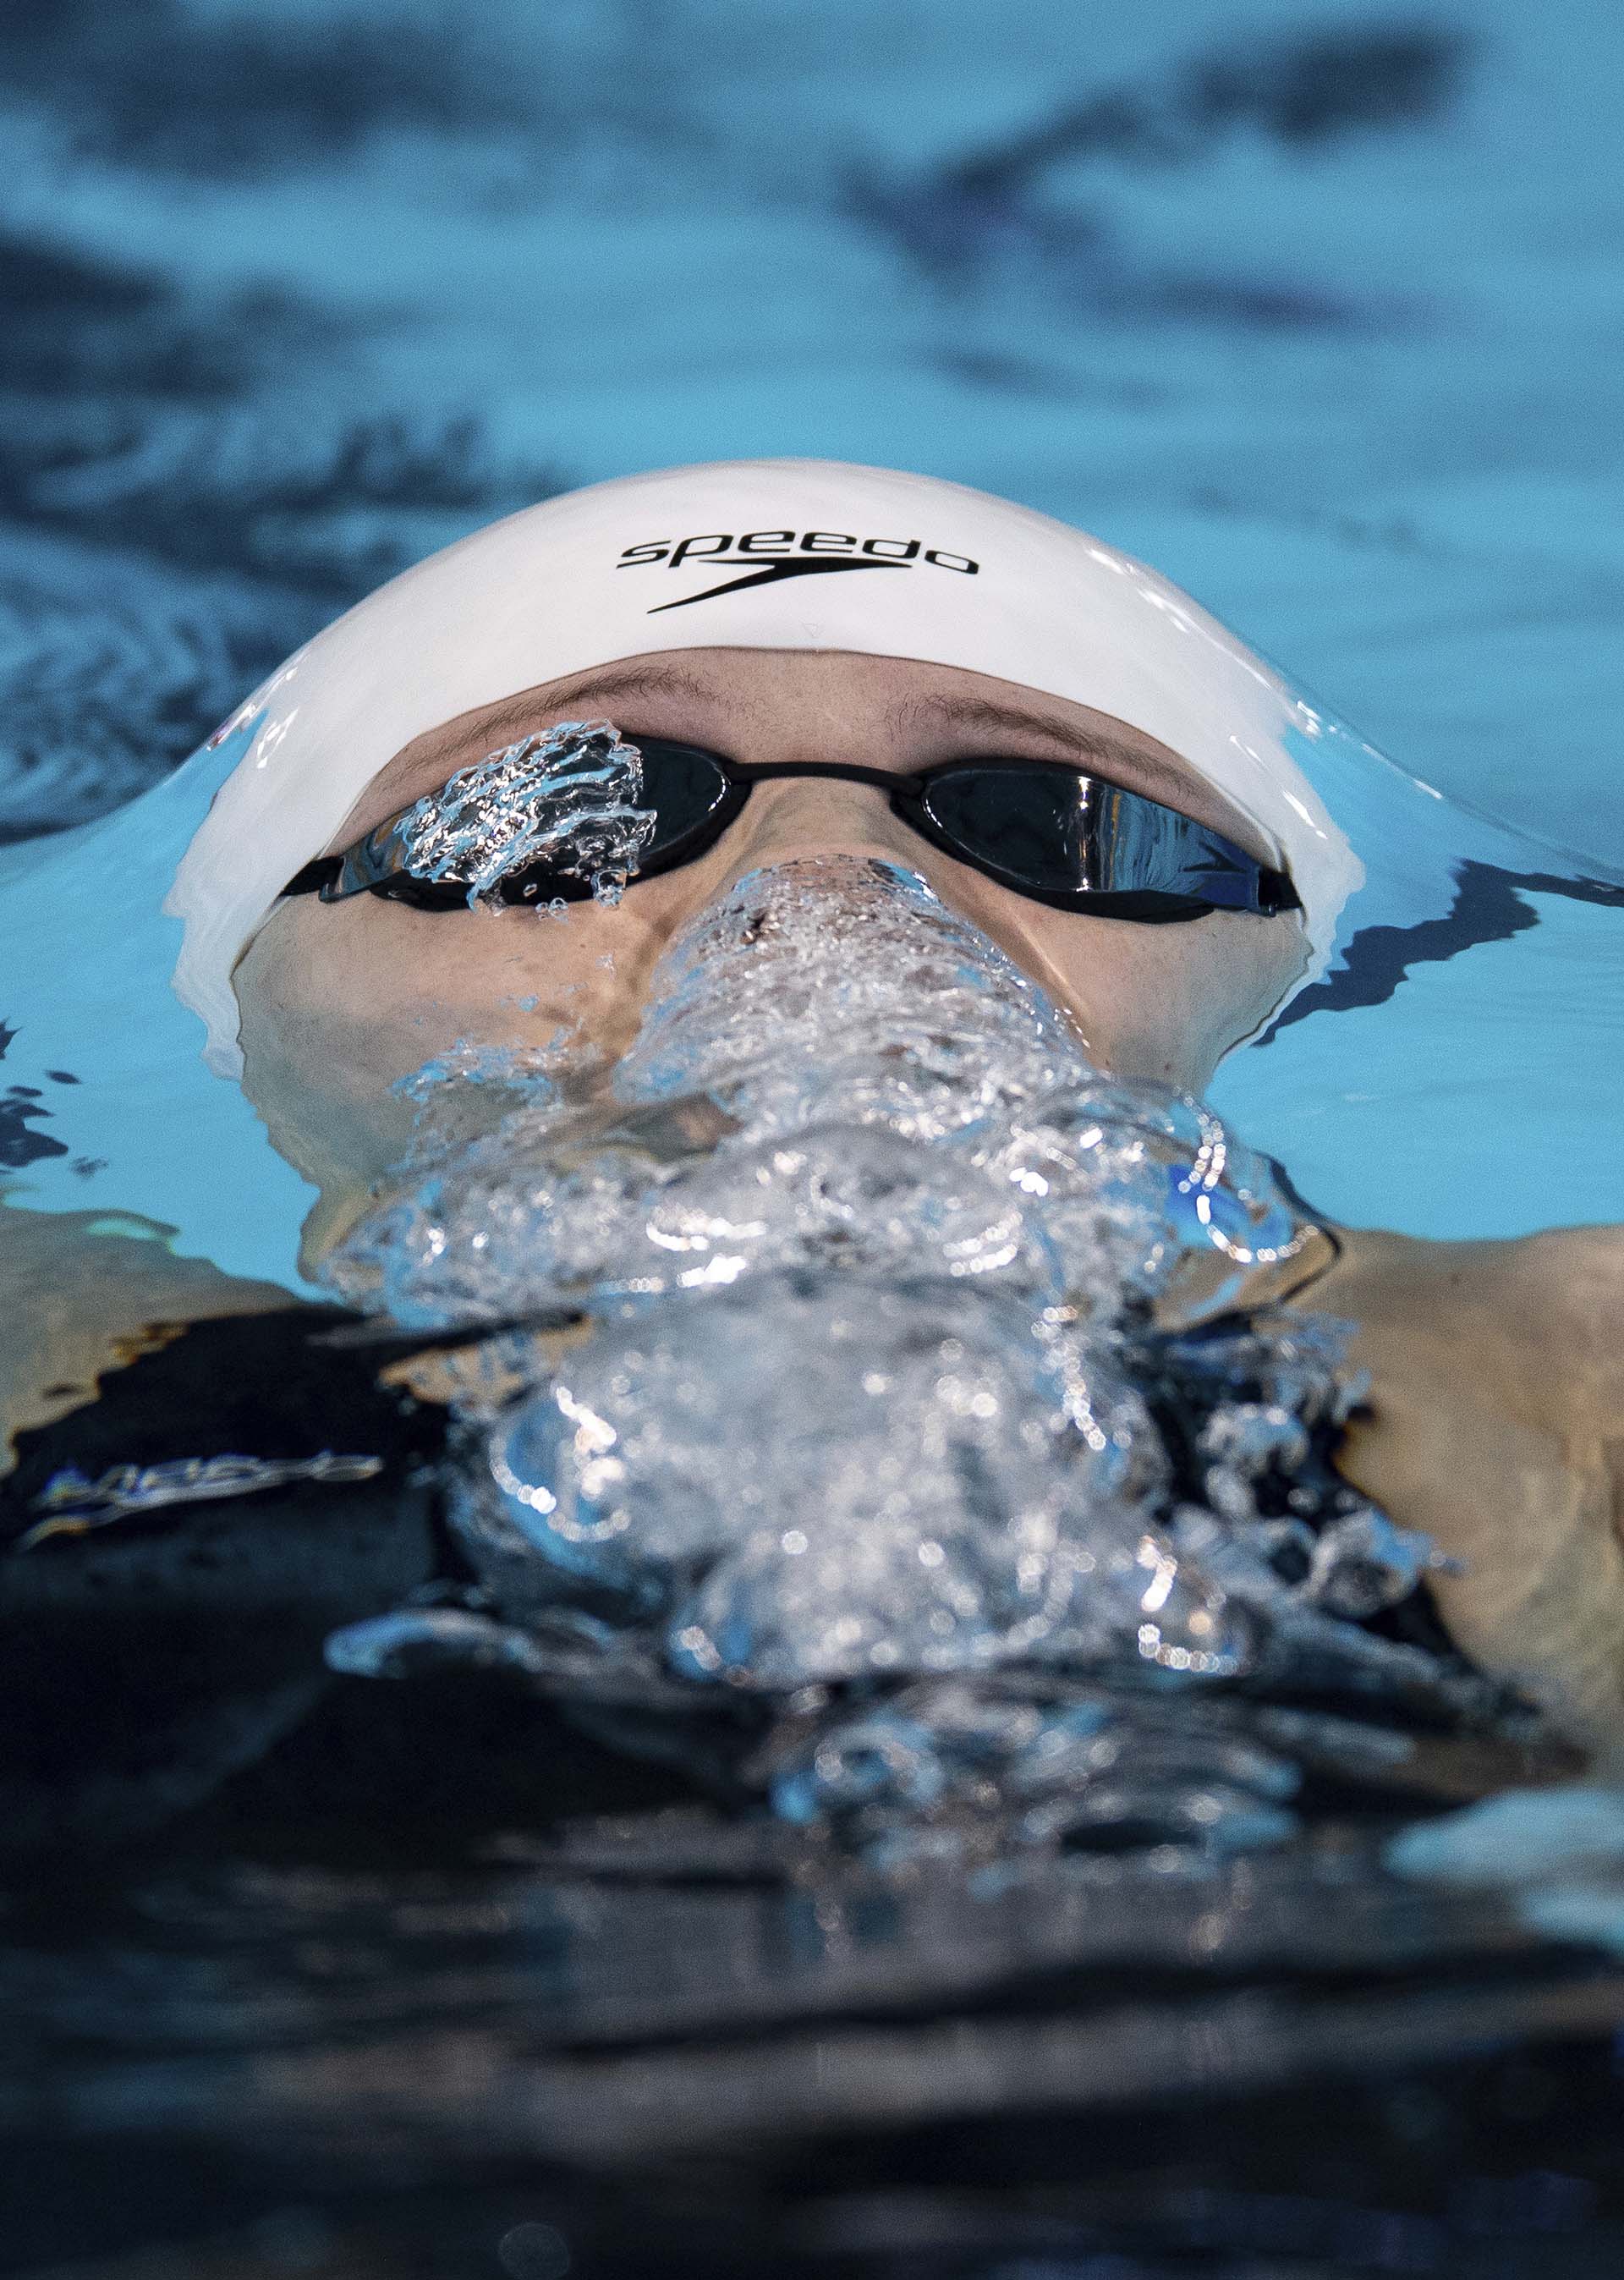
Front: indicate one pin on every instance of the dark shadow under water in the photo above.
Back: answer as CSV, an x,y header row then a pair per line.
x,y
438,1986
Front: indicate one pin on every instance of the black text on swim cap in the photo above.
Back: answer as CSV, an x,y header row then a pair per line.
x,y
768,557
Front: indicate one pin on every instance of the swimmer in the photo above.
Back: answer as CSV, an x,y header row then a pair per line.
x,y
850,662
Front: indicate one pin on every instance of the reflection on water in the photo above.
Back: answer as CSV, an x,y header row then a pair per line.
x,y
646,2041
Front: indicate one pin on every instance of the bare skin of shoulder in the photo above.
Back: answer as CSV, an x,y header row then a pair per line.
x,y
81,1299
1494,1421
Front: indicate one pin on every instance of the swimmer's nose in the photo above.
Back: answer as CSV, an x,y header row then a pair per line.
x,y
813,816
792,818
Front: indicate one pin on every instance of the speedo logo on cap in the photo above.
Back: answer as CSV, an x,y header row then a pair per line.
x,y
768,557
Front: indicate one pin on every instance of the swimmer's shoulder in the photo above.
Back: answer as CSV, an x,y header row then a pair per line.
x,y
85,1292
1494,1422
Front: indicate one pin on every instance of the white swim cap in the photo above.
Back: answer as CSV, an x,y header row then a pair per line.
x,y
743,554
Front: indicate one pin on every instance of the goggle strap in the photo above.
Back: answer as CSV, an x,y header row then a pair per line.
x,y
318,873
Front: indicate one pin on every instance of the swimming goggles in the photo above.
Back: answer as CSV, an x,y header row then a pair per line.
x,y
1057,834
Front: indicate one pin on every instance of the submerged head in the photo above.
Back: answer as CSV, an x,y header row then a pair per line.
x,y
810,614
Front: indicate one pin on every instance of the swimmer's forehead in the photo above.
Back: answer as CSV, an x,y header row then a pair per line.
x,y
722,698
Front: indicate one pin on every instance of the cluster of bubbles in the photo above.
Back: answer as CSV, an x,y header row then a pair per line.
x,y
566,801
908,1410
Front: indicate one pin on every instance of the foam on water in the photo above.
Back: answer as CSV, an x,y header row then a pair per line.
x,y
913,1409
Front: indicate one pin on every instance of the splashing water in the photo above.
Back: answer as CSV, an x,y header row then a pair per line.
x,y
567,799
912,1407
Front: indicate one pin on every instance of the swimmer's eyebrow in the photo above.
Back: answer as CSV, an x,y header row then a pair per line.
x,y
1097,747
1124,758
604,687
1143,767
607,686
430,760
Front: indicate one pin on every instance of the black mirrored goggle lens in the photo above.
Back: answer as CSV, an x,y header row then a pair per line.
x,y
1031,826
691,800
1051,831
690,797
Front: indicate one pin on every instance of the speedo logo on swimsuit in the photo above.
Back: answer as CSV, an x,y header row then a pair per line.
x,y
768,557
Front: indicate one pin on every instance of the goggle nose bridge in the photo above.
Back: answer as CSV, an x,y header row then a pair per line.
x,y
886,780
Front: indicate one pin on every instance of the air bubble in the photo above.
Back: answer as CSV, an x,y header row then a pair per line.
x,y
871,1414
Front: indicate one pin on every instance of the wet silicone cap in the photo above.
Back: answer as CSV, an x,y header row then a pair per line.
x,y
750,554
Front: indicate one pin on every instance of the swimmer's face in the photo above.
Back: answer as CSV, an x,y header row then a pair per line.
x,y
340,1000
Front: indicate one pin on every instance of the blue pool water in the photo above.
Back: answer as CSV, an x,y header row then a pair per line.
x,y
1339,353
1318,310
